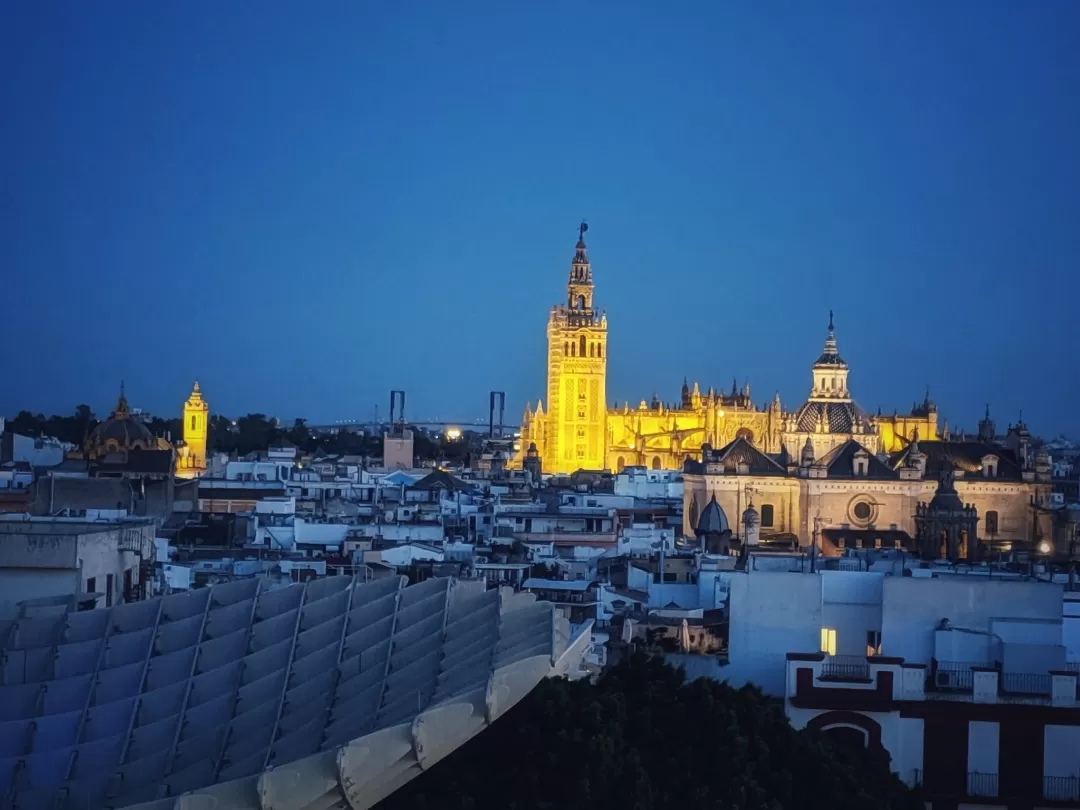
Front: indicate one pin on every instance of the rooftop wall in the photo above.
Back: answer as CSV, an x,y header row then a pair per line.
x,y
913,608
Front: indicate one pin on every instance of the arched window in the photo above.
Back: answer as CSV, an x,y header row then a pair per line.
x,y
620,464
592,349
582,350
581,302
599,349
573,350
193,422
566,349
656,462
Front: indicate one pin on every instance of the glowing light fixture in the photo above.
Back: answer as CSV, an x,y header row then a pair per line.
x,y
453,434
1044,547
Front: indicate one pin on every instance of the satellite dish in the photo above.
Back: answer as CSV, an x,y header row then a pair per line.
x,y
331,693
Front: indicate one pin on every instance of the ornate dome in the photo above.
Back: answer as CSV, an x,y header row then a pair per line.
x,y
712,520
841,416
120,432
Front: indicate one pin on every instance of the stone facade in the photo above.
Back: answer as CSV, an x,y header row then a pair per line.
x,y
863,494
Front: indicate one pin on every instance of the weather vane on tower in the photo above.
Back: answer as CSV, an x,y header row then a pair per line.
x,y
584,226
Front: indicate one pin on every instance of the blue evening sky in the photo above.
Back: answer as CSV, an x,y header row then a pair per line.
x,y
307,204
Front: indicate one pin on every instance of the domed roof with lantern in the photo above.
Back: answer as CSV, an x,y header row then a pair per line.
x,y
121,431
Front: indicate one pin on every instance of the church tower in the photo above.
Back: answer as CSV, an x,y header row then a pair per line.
x,y
192,461
577,369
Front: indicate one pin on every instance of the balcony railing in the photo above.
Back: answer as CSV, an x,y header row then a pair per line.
x,y
1024,683
949,676
982,784
1061,788
845,668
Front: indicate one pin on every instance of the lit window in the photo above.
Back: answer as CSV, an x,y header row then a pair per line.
x,y
828,641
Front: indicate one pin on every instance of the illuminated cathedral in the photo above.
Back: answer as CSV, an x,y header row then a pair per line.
x,y
578,431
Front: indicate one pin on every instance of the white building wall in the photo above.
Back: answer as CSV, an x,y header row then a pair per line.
x,y
321,534
772,614
403,532
1061,751
851,605
983,747
20,584
99,557
1070,631
41,452
913,608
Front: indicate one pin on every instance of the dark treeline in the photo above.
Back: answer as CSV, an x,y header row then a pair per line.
x,y
644,739
254,431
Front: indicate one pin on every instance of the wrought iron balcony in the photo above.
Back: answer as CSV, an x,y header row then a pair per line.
x,y
845,668
982,784
1061,788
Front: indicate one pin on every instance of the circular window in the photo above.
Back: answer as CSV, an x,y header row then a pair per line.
x,y
861,510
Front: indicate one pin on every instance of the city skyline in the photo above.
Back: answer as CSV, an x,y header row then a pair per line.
x,y
304,211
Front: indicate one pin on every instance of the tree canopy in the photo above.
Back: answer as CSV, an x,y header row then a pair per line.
x,y
643,738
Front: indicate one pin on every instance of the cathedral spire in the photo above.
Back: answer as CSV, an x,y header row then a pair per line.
x,y
580,286
122,410
830,341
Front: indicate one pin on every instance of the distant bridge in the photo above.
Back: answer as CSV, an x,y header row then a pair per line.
x,y
493,424
479,425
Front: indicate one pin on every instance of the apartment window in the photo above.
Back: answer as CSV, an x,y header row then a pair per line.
x,y
991,522
91,585
766,515
671,577
873,642
828,641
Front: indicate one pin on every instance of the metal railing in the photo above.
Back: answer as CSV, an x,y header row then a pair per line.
x,y
846,668
1025,683
982,784
1061,788
950,676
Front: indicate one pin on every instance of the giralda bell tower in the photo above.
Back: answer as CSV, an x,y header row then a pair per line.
x,y
577,368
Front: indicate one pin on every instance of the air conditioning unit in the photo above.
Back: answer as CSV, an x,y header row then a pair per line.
x,y
947,679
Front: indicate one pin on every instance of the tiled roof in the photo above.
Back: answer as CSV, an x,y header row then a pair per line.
x,y
840,462
441,479
841,417
742,451
965,456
